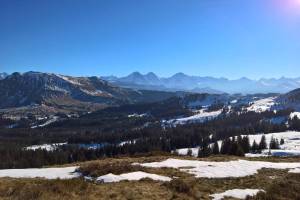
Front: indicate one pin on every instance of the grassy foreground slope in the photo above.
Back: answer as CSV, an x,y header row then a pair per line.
x,y
279,184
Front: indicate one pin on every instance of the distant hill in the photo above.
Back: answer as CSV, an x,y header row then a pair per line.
x,y
183,82
68,93
290,100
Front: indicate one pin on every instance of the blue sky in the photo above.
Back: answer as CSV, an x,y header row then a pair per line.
x,y
221,38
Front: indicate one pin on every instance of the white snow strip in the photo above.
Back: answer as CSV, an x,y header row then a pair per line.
x,y
69,79
47,173
47,147
236,168
256,155
137,115
93,93
50,121
236,193
296,170
197,118
133,176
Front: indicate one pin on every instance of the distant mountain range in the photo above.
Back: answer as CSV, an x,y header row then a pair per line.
x,y
35,95
183,82
36,92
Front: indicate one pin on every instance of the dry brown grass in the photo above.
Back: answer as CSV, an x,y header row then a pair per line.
x,y
183,185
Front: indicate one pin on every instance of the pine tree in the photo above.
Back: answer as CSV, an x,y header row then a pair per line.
x,y
239,151
281,141
254,147
189,152
274,144
263,144
225,147
204,150
246,144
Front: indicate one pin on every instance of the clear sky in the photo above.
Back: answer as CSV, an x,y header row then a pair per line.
x,y
221,38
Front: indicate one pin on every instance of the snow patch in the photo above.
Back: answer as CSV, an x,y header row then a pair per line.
x,y
47,173
236,193
132,176
296,170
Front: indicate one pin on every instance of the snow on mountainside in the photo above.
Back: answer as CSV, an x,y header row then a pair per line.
x,y
262,105
290,100
3,75
201,116
181,81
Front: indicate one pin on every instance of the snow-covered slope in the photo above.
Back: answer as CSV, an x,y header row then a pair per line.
x,y
262,105
199,117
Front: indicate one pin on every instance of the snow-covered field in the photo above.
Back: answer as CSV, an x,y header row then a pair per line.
x,y
291,146
133,176
236,193
262,105
236,168
47,147
47,173
201,116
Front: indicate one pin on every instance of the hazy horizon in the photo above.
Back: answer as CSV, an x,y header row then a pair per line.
x,y
156,75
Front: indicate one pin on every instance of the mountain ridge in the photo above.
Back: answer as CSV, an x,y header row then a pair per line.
x,y
181,81
68,93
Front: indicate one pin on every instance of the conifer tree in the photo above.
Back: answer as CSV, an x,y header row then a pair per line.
x,y
189,152
263,144
239,151
204,150
274,144
254,147
246,144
